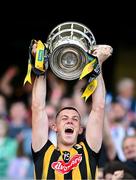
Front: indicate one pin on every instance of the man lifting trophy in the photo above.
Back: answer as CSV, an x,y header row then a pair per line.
x,y
71,53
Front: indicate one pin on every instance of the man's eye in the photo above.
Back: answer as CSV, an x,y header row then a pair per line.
x,y
75,119
64,119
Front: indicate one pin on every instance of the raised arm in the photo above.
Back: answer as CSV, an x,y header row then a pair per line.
x,y
94,128
39,116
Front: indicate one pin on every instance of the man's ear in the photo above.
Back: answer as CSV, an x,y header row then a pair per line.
x,y
81,130
54,127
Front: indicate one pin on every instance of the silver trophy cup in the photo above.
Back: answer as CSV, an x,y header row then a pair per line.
x,y
68,44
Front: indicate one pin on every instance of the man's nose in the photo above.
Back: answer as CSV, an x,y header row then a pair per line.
x,y
70,121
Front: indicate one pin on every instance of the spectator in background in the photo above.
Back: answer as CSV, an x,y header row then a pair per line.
x,y
125,96
19,165
8,148
116,170
19,128
129,149
120,174
125,93
118,128
18,115
12,88
6,86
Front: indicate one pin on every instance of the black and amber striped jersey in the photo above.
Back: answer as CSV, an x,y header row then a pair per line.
x,y
78,163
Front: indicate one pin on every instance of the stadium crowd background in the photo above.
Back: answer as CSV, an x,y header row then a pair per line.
x,y
15,99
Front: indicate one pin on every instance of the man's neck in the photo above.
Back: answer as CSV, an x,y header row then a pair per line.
x,y
63,147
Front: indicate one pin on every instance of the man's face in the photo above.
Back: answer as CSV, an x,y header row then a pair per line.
x,y
129,148
68,126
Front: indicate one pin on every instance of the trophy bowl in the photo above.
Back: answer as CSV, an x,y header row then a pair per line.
x,y
68,44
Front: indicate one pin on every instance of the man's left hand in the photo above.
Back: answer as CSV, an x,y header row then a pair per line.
x,y
102,52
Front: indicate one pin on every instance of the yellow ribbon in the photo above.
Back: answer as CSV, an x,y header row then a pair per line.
x,y
28,75
88,69
89,89
39,59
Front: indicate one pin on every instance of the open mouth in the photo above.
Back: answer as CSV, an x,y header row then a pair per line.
x,y
69,130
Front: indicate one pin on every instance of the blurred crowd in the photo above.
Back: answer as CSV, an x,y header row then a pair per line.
x,y
118,153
